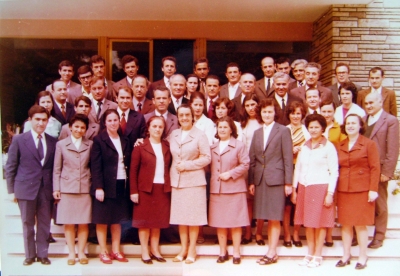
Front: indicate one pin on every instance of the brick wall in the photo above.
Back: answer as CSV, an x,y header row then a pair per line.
x,y
363,36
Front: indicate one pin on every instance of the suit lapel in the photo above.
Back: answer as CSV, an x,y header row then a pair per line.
x,y
384,94
378,124
30,144
50,149
273,132
131,122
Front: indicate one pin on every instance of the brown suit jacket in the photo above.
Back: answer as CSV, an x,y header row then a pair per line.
x,y
71,173
107,105
260,89
171,122
359,168
300,92
120,83
224,92
388,97
93,130
143,167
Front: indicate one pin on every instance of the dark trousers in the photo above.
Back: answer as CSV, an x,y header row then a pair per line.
x,y
381,212
36,211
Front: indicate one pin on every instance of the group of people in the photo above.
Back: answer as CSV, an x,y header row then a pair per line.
x,y
187,151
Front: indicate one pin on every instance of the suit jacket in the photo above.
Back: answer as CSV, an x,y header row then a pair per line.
x,y
273,163
110,91
359,168
143,167
72,167
135,127
107,105
24,172
104,164
74,91
283,120
238,107
194,151
300,92
293,84
69,112
93,130
235,159
386,135
147,107
260,89
388,99
224,92
118,84
171,122
335,93
152,87
171,107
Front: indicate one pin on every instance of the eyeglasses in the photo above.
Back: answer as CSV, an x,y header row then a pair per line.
x,y
342,73
85,77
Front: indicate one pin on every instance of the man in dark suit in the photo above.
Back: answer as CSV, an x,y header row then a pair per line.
x,y
247,85
213,90
98,66
281,96
264,86
130,64
342,72
99,103
62,110
201,70
178,86
298,72
161,100
232,89
383,129
312,73
282,64
313,100
139,102
376,77
85,76
168,66
66,71
29,174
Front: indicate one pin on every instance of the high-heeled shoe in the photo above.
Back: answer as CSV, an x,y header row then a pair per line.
x,y
361,266
245,241
158,259
236,260
297,243
268,260
263,257
222,259
306,260
260,242
190,260
315,262
340,263
287,243
148,261
178,259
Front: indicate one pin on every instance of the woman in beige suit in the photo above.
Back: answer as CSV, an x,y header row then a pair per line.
x,y
71,186
190,154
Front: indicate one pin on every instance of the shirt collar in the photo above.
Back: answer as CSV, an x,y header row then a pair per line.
x,y
321,143
377,115
233,86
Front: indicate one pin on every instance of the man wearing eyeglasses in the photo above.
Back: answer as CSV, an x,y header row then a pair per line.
x,y
342,72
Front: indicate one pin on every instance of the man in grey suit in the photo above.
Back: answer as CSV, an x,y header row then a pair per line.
x,y
383,129
98,66
264,86
342,72
99,102
168,67
161,100
66,71
232,89
29,174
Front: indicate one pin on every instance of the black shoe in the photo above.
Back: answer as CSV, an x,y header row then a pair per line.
x,y
361,266
260,242
158,259
340,263
374,244
245,241
50,239
236,260
297,243
328,244
148,261
44,261
222,259
287,243
28,261
229,242
93,240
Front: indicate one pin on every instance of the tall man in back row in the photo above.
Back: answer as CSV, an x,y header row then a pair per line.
x,y
168,67
29,174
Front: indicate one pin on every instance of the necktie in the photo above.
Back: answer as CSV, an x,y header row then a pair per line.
x,y
300,83
268,85
63,110
98,109
283,106
315,112
210,110
123,123
40,148
139,105
202,90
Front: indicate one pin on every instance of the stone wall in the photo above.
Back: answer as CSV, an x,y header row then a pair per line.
x,y
363,36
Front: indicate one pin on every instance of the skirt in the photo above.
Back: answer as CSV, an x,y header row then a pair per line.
x,y
189,206
228,210
310,209
269,202
153,209
354,209
74,209
112,210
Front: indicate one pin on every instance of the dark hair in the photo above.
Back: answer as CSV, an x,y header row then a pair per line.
x,y
328,102
65,63
126,89
360,120
232,64
352,88
376,69
162,88
84,69
244,117
200,60
96,59
96,79
128,58
151,119
191,76
108,112
36,109
212,77
42,94
58,80
264,103
82,98
342,64
281,60
316,117
170,58
198,95
229,105
231,124
312,88
185,106
79,117
292,108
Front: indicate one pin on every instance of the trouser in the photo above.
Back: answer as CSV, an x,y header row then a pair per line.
x,y
381,212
